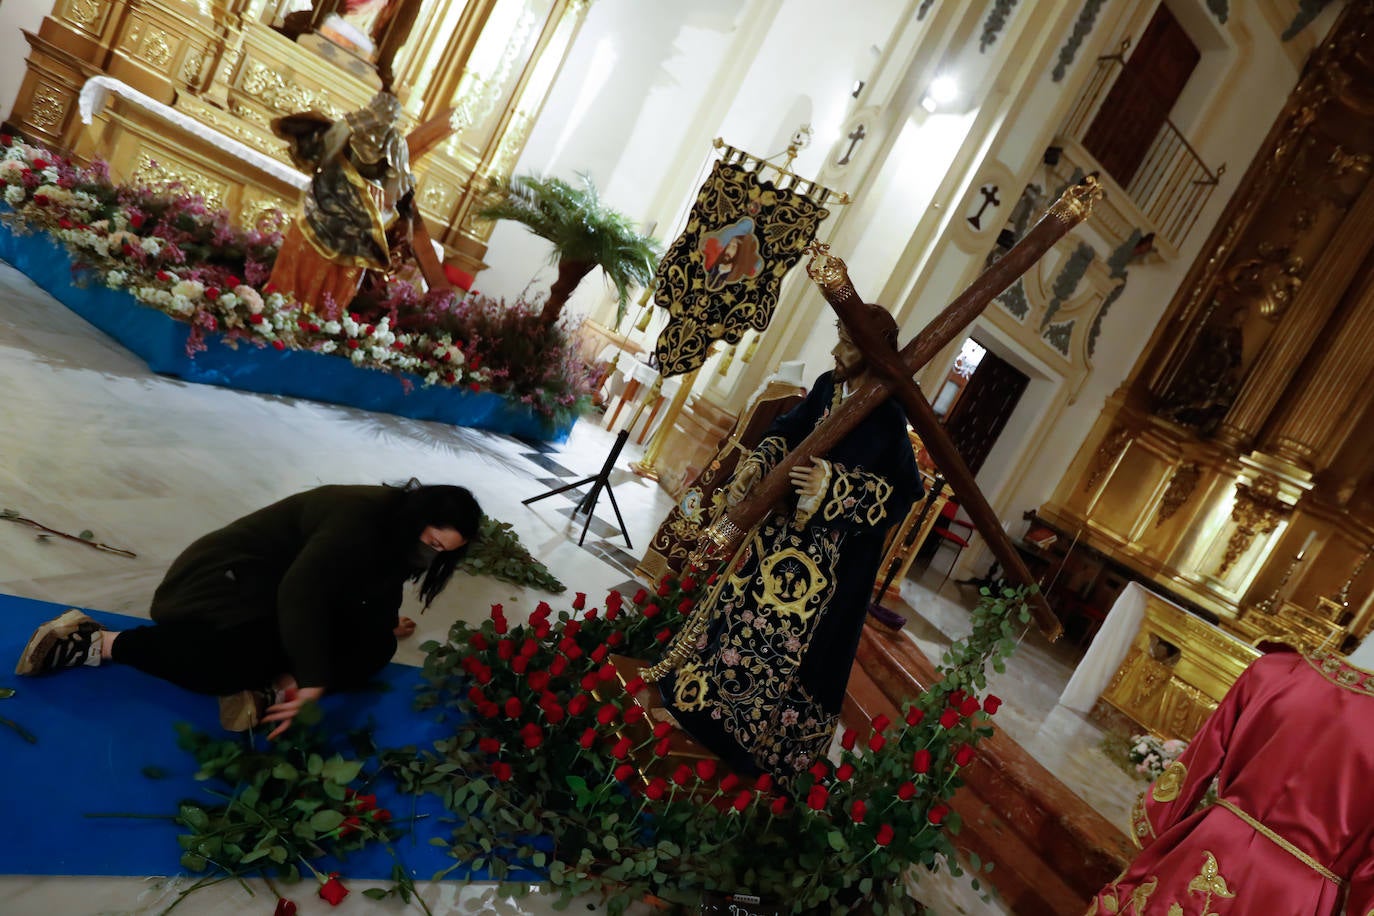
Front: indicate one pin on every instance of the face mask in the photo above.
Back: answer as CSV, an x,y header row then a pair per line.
x,y
422,555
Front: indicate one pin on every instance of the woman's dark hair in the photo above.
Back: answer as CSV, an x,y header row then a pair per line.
x,y
443,507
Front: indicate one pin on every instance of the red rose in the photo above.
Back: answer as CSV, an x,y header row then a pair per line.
x,y
502,771
284,907
488,710
938,814
706,769
688,583
685,605
352,344
650,610
779,806
612,611
483,675
364,802
606,714
500,625
606,672
588,739
531,736
743,800
476,695
579,601
554,713
212,293
573,627
663,730
848,739
881,723
884,836
560,663
624,772
969,707
764,782
665,587
528,647
615,639
992,704
589,681
817,797
857,811
640,596
949,718
255,319
920,761
915,715
662,748
729,782
819,769
957,698
163,276
333,890
656,788
513,707
542,610
539,680
578,704
633,714
599,653
381,815
136,220
232,281
963,756
875,744
906,790
520,665
845,771
489,746
278,345
505,650
349,826
566,645
682,775
663,635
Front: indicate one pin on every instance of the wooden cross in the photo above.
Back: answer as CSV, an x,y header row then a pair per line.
x,y
894,371
989,193
857,135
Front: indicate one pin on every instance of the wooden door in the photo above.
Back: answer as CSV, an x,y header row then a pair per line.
x,y
977,418
1140,100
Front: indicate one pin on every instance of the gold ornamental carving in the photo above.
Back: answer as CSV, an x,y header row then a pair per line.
x,y
1107,454
83,12
156,50
1178,492
268,213
1258,510
46,108
437,197
271,89
154,173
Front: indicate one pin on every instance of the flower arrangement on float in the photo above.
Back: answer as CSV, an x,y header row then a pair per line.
x,y
172,253
549,746
1151,756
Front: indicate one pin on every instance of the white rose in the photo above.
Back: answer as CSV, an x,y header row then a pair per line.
x,y
115,279
14,195
432,378
188,289
180,304
328,346
228,300
151,245
331,327
357,357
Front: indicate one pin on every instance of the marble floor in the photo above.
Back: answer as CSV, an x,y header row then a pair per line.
x,y
90,439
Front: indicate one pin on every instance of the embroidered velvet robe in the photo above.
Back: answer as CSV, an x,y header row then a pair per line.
x,y
1292,751
765,681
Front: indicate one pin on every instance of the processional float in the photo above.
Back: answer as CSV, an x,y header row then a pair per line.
x,y
895,370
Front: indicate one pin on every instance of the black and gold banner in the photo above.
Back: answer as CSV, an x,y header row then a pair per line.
x,y
721,276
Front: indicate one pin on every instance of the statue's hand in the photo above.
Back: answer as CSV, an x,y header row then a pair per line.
x,y
745,478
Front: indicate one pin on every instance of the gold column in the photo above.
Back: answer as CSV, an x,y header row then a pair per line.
x,y
1316,422
645,466
1288,347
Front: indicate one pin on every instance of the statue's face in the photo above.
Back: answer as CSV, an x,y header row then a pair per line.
x,y
849,359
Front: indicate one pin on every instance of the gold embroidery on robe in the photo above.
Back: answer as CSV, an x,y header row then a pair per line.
x,y
1140,822
1169,783
1209,882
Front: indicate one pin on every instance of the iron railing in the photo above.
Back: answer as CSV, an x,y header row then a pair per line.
x,y
1172,184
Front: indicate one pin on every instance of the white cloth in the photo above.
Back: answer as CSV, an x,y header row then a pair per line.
x,y
92,101
1107,651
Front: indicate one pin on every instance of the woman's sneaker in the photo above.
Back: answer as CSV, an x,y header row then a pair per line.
x,y
240,711
63,642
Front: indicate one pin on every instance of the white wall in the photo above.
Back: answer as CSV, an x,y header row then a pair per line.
x,y
16,15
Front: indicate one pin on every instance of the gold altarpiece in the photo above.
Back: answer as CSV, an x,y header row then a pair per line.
x,y
233,66
1235,466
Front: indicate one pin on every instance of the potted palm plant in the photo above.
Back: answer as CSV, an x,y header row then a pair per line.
x,y
584,233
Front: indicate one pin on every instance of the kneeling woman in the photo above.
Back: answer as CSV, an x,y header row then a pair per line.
x,y
295,599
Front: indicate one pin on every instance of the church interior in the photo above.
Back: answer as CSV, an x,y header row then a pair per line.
x,y
1166,412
